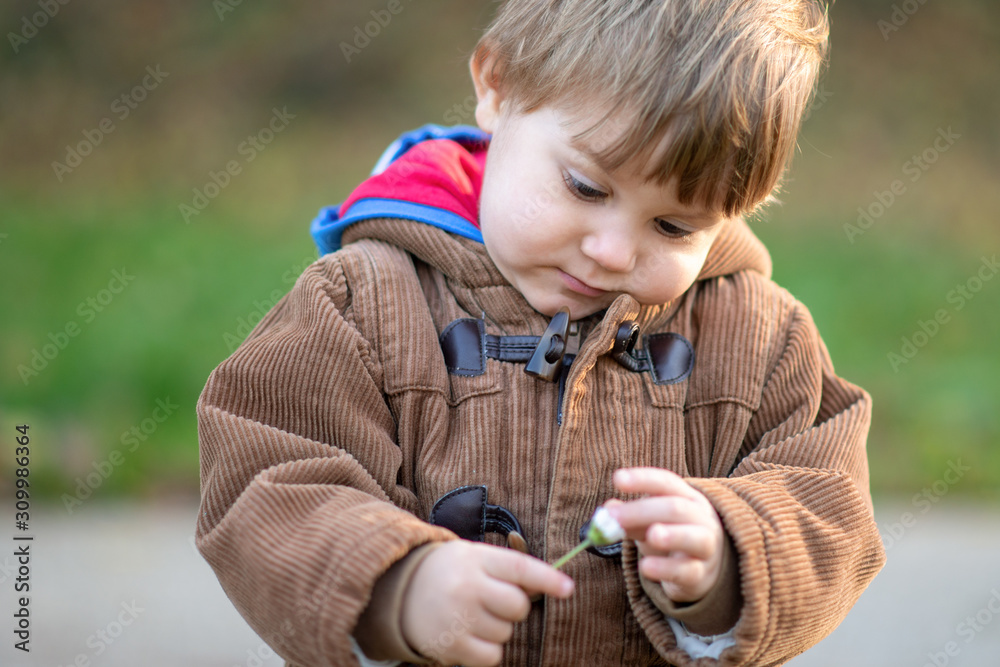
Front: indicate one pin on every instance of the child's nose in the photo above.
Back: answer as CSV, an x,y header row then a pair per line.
x,y
612,247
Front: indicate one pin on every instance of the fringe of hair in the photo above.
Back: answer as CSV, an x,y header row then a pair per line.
x,y
724,83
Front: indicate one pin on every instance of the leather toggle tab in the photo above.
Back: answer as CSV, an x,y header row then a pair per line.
x,y
463,343
465,512
671,357
547,359
668,357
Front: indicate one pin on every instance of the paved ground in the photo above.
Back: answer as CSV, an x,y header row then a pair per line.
x,y
122,586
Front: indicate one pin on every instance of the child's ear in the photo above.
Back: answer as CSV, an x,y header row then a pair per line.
x,y
487,94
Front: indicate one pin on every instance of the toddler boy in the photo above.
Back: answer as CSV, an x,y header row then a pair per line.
x,y
514,324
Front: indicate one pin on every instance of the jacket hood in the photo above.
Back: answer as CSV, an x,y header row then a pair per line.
x,y
423,196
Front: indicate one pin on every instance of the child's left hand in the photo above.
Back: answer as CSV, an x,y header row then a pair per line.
x,y
677,531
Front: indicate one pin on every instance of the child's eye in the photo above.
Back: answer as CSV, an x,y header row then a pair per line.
x,y
582,190
670,229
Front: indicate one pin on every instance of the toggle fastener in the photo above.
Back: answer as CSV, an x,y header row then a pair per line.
x,y
547,359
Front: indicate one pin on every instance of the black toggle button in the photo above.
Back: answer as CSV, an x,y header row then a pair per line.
x,y
547,359
557,348
625,341
626,338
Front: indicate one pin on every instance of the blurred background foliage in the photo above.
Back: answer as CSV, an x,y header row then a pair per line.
x,y
199,283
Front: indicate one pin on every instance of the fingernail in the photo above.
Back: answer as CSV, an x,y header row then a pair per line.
x,y
567,586
622,477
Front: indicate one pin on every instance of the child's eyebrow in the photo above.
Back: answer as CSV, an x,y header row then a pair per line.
x,y
592,157
703,219
700,217
585,151
582,148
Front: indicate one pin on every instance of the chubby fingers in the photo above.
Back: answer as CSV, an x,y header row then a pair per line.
x,y
637,517
674,518
654,481
669,539
683,579
669,500
505,601
528,573
493,627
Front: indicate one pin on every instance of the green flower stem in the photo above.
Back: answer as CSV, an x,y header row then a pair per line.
x,y
577,549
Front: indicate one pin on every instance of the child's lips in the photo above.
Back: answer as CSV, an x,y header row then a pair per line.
x,y
580,287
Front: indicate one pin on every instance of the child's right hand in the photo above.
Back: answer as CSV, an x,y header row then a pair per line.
x,y
464,598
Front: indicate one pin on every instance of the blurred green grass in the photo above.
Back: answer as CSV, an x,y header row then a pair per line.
x,y
865,298
162,335
158,339
195,283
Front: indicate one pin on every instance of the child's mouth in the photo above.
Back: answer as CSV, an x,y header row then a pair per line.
x,y
579,286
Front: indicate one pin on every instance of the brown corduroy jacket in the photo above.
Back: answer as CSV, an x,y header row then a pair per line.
x,y
329,434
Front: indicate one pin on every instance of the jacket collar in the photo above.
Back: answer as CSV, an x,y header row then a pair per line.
x,y
466,261
481,288
463,258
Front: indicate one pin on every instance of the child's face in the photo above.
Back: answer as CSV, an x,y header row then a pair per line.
x,y
565,233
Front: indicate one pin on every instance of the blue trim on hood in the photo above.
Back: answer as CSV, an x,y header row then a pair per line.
x,y
328,227
463,134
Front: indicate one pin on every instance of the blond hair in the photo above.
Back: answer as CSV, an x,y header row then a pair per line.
x,y
726,82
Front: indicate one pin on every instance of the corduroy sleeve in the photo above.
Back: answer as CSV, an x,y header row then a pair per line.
x,y
300,511
797,508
